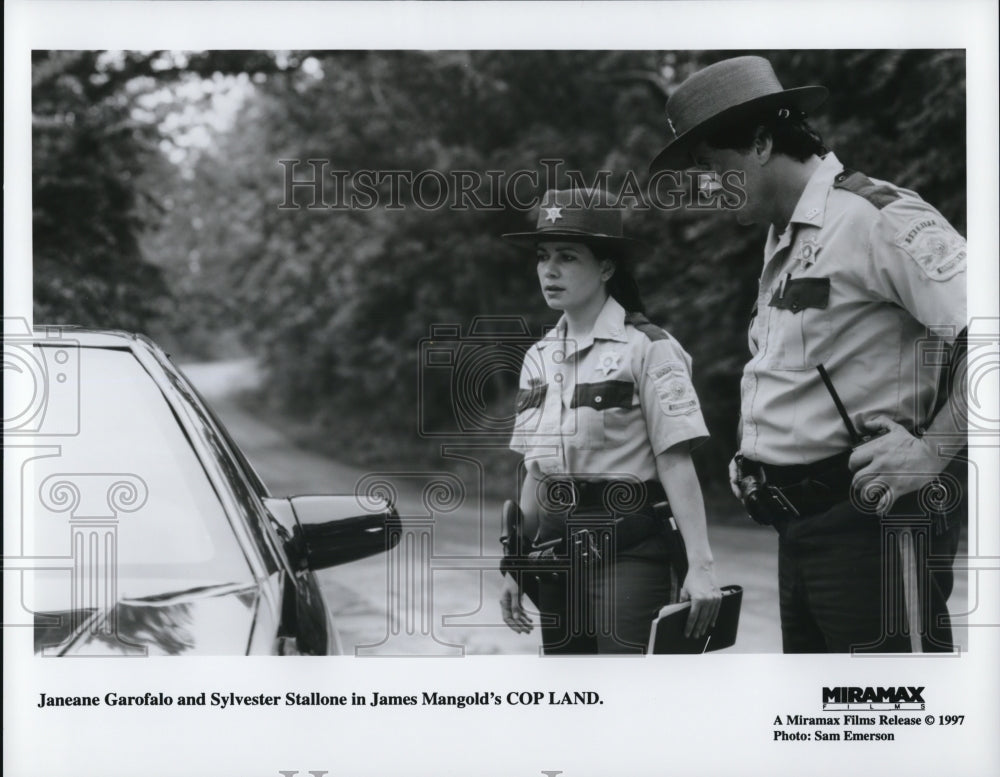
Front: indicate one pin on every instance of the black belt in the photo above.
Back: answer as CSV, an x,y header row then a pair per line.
x,y
775,493
596,497
801,490
583,516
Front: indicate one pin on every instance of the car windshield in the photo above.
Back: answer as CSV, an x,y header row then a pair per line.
x,y
118,497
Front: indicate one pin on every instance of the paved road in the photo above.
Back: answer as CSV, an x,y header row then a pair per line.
x,y
440,598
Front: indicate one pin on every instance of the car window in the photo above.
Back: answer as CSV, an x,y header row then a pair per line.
x,y
126,492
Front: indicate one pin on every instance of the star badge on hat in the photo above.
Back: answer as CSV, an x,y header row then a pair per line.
x,y
609,363
579,215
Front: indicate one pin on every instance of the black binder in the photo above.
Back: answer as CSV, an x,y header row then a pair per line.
x,y
667,632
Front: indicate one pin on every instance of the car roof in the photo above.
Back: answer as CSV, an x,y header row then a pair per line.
x,y
102,338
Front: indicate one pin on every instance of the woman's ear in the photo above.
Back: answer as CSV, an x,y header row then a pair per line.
x,y
607,269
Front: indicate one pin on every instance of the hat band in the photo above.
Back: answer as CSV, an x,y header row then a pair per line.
x,y
574,231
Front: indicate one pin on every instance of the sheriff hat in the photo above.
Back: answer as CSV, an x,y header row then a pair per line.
x,y
579,216
720,93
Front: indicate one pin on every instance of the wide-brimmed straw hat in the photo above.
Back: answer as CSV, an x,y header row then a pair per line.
x,y
579,216
721,93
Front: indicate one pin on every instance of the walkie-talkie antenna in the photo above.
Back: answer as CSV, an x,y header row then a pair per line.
x,y
856,438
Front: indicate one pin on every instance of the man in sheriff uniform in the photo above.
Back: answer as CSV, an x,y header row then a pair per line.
x,y
861,278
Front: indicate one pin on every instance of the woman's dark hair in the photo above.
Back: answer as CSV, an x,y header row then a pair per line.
x,y
622,286
790,133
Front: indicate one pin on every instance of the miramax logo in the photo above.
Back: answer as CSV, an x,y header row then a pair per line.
x,y
846,697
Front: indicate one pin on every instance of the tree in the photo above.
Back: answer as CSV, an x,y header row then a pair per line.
x,y
94,147
336,299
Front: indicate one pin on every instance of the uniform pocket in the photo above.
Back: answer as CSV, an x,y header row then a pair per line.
x,y
602,409
798,334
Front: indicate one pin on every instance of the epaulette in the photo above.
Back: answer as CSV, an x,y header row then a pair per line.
x,y
863,186
644,325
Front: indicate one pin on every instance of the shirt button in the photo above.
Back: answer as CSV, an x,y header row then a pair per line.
x,y
558,357
597,399
558,377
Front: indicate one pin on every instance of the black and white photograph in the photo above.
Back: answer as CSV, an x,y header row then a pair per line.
x,y
528,388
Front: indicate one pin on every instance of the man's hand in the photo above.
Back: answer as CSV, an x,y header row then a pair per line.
x,y
903,462
510,606
706,598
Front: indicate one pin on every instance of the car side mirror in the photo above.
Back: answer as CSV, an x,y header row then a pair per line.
x,y
332,530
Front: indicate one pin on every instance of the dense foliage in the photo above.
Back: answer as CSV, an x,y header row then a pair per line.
x,y
336,301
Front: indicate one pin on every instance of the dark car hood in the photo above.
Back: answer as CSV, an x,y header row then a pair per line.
x,y
209,620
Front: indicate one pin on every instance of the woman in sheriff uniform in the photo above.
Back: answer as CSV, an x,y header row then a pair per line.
x,y
607,417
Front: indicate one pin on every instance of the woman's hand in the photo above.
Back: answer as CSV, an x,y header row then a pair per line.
x,y
681,484
510,606
706,599
734,479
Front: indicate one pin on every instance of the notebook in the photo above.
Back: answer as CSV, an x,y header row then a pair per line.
x,y
667,632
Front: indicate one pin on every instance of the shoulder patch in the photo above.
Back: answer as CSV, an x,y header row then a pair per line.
x,y
673,387
863,186
644,325
937,249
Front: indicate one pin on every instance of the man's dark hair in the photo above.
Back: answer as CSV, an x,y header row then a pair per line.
x,y
790,133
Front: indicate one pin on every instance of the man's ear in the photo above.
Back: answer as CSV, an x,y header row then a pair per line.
x,y
763,145
607,269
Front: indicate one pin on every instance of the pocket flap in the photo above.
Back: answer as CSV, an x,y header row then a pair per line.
x,y
801,293
604,395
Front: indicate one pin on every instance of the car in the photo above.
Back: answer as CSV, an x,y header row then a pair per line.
x,y
144,529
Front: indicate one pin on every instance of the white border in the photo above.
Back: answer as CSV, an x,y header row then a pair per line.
x,y
702,716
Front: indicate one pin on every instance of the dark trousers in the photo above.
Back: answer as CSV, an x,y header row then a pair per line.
x,y
841,580
609,606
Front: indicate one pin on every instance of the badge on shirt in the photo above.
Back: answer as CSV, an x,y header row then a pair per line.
x,y
674,388
938,250
807,251
609,362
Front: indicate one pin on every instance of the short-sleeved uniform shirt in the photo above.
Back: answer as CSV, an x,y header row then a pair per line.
x,y
606,406
864,280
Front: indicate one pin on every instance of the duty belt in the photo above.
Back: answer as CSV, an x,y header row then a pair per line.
x,y
580,517
775,494
598,520
588,520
